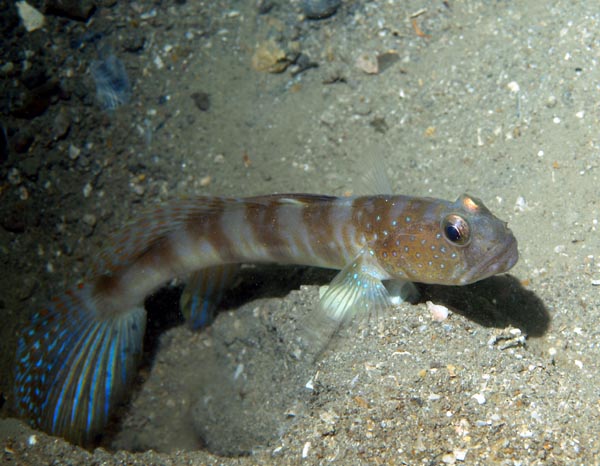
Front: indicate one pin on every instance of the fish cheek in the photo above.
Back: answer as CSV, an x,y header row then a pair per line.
x,y
442,262
392,256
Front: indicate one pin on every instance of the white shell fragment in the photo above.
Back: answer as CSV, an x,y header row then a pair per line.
x,y
513,87
310,384
438,312
305,450
460,454
479,398
521,204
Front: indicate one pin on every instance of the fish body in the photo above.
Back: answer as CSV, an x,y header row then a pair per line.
x,y
77,357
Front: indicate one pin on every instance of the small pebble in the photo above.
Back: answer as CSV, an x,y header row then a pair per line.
x,y
89,219
448,458
202,100
560,249
61,125
158,63
23,193
277,451
264,6
14,176
87,190
138,189
551,102
74,152
367,63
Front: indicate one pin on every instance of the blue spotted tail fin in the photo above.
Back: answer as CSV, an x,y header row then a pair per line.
x,y
74,364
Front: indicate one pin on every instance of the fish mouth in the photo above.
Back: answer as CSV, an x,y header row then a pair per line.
x,y
499,259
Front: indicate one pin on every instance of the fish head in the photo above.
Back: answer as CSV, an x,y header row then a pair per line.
x,y
447,243
489,247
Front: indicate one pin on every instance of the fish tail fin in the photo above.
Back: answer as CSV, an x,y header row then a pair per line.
x,y
75,362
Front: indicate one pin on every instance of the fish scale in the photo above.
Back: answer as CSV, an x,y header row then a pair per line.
x,y
76,359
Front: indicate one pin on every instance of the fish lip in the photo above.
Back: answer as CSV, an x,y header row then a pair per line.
x,y
499,259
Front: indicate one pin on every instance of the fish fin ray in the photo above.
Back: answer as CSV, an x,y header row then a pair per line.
x,y
75,363
374,179
203,292
355,293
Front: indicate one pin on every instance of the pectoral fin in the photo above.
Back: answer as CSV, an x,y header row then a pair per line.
x,y
355,292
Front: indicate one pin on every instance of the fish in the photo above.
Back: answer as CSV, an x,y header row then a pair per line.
x,y
77,357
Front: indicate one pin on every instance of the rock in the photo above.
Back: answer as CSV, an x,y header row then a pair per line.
x,y
30,167
303,63
270,58
136,43
4,148
387,59
79,10
89,219
31,18
320,9
35,76
264,6
367,63
74,152
35,102
61,124
202,100
22,141
13,222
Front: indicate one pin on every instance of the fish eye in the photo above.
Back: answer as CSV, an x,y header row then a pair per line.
x,y
456,230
